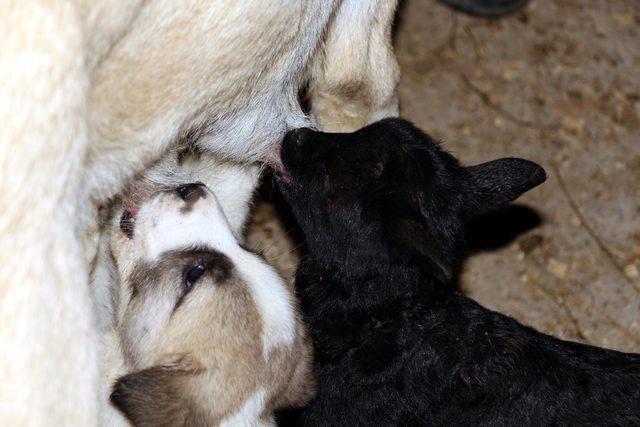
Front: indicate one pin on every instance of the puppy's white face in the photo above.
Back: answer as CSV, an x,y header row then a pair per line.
x,y
185,282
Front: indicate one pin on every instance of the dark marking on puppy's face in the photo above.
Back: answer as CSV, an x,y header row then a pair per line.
x,y
191,193
181,270
389,188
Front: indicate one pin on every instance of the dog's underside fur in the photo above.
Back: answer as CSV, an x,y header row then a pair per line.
x,y
93,92
383,211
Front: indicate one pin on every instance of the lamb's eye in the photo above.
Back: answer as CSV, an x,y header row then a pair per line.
x,y
193,275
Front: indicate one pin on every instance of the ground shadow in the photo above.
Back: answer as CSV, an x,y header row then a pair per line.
x,y
496,229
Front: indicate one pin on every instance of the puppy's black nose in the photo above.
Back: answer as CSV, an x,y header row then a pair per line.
x,y
192,191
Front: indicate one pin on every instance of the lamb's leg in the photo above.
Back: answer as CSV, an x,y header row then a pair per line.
x,y
48,365
355,74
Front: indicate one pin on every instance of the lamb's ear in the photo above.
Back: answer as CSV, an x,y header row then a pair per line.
x,y
498,182
156,396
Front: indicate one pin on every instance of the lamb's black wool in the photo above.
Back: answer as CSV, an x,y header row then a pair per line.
x,y
384,211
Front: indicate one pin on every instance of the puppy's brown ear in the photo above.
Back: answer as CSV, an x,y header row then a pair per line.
x,y
496,183
157,396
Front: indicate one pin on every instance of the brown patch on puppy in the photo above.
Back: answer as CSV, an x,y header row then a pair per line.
x,y
217,266
158,396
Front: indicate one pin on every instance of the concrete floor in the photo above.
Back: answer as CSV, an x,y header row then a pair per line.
x,y
558,83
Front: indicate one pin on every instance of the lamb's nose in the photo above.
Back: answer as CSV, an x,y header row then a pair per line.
x,y
298,136
192,191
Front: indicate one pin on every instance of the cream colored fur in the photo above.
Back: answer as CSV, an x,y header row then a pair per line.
x,y
92,92
48,364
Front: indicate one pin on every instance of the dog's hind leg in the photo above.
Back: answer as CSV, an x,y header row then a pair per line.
x,y
48,367
355,74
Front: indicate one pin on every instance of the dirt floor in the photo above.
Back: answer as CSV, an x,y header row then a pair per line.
x,y
558,83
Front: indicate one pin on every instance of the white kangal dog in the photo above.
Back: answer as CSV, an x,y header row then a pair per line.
x,y
92,92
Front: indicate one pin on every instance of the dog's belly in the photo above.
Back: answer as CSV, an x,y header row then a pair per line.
x,y
222,74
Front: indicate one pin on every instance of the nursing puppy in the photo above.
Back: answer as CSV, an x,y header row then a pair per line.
x,y
384,211
207,333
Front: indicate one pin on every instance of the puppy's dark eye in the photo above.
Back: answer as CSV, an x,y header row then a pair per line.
x,y
193,275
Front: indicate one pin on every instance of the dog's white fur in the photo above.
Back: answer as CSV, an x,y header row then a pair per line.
x,y
92,92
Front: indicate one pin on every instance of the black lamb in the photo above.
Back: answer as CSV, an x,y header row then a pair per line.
x,y
383,211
